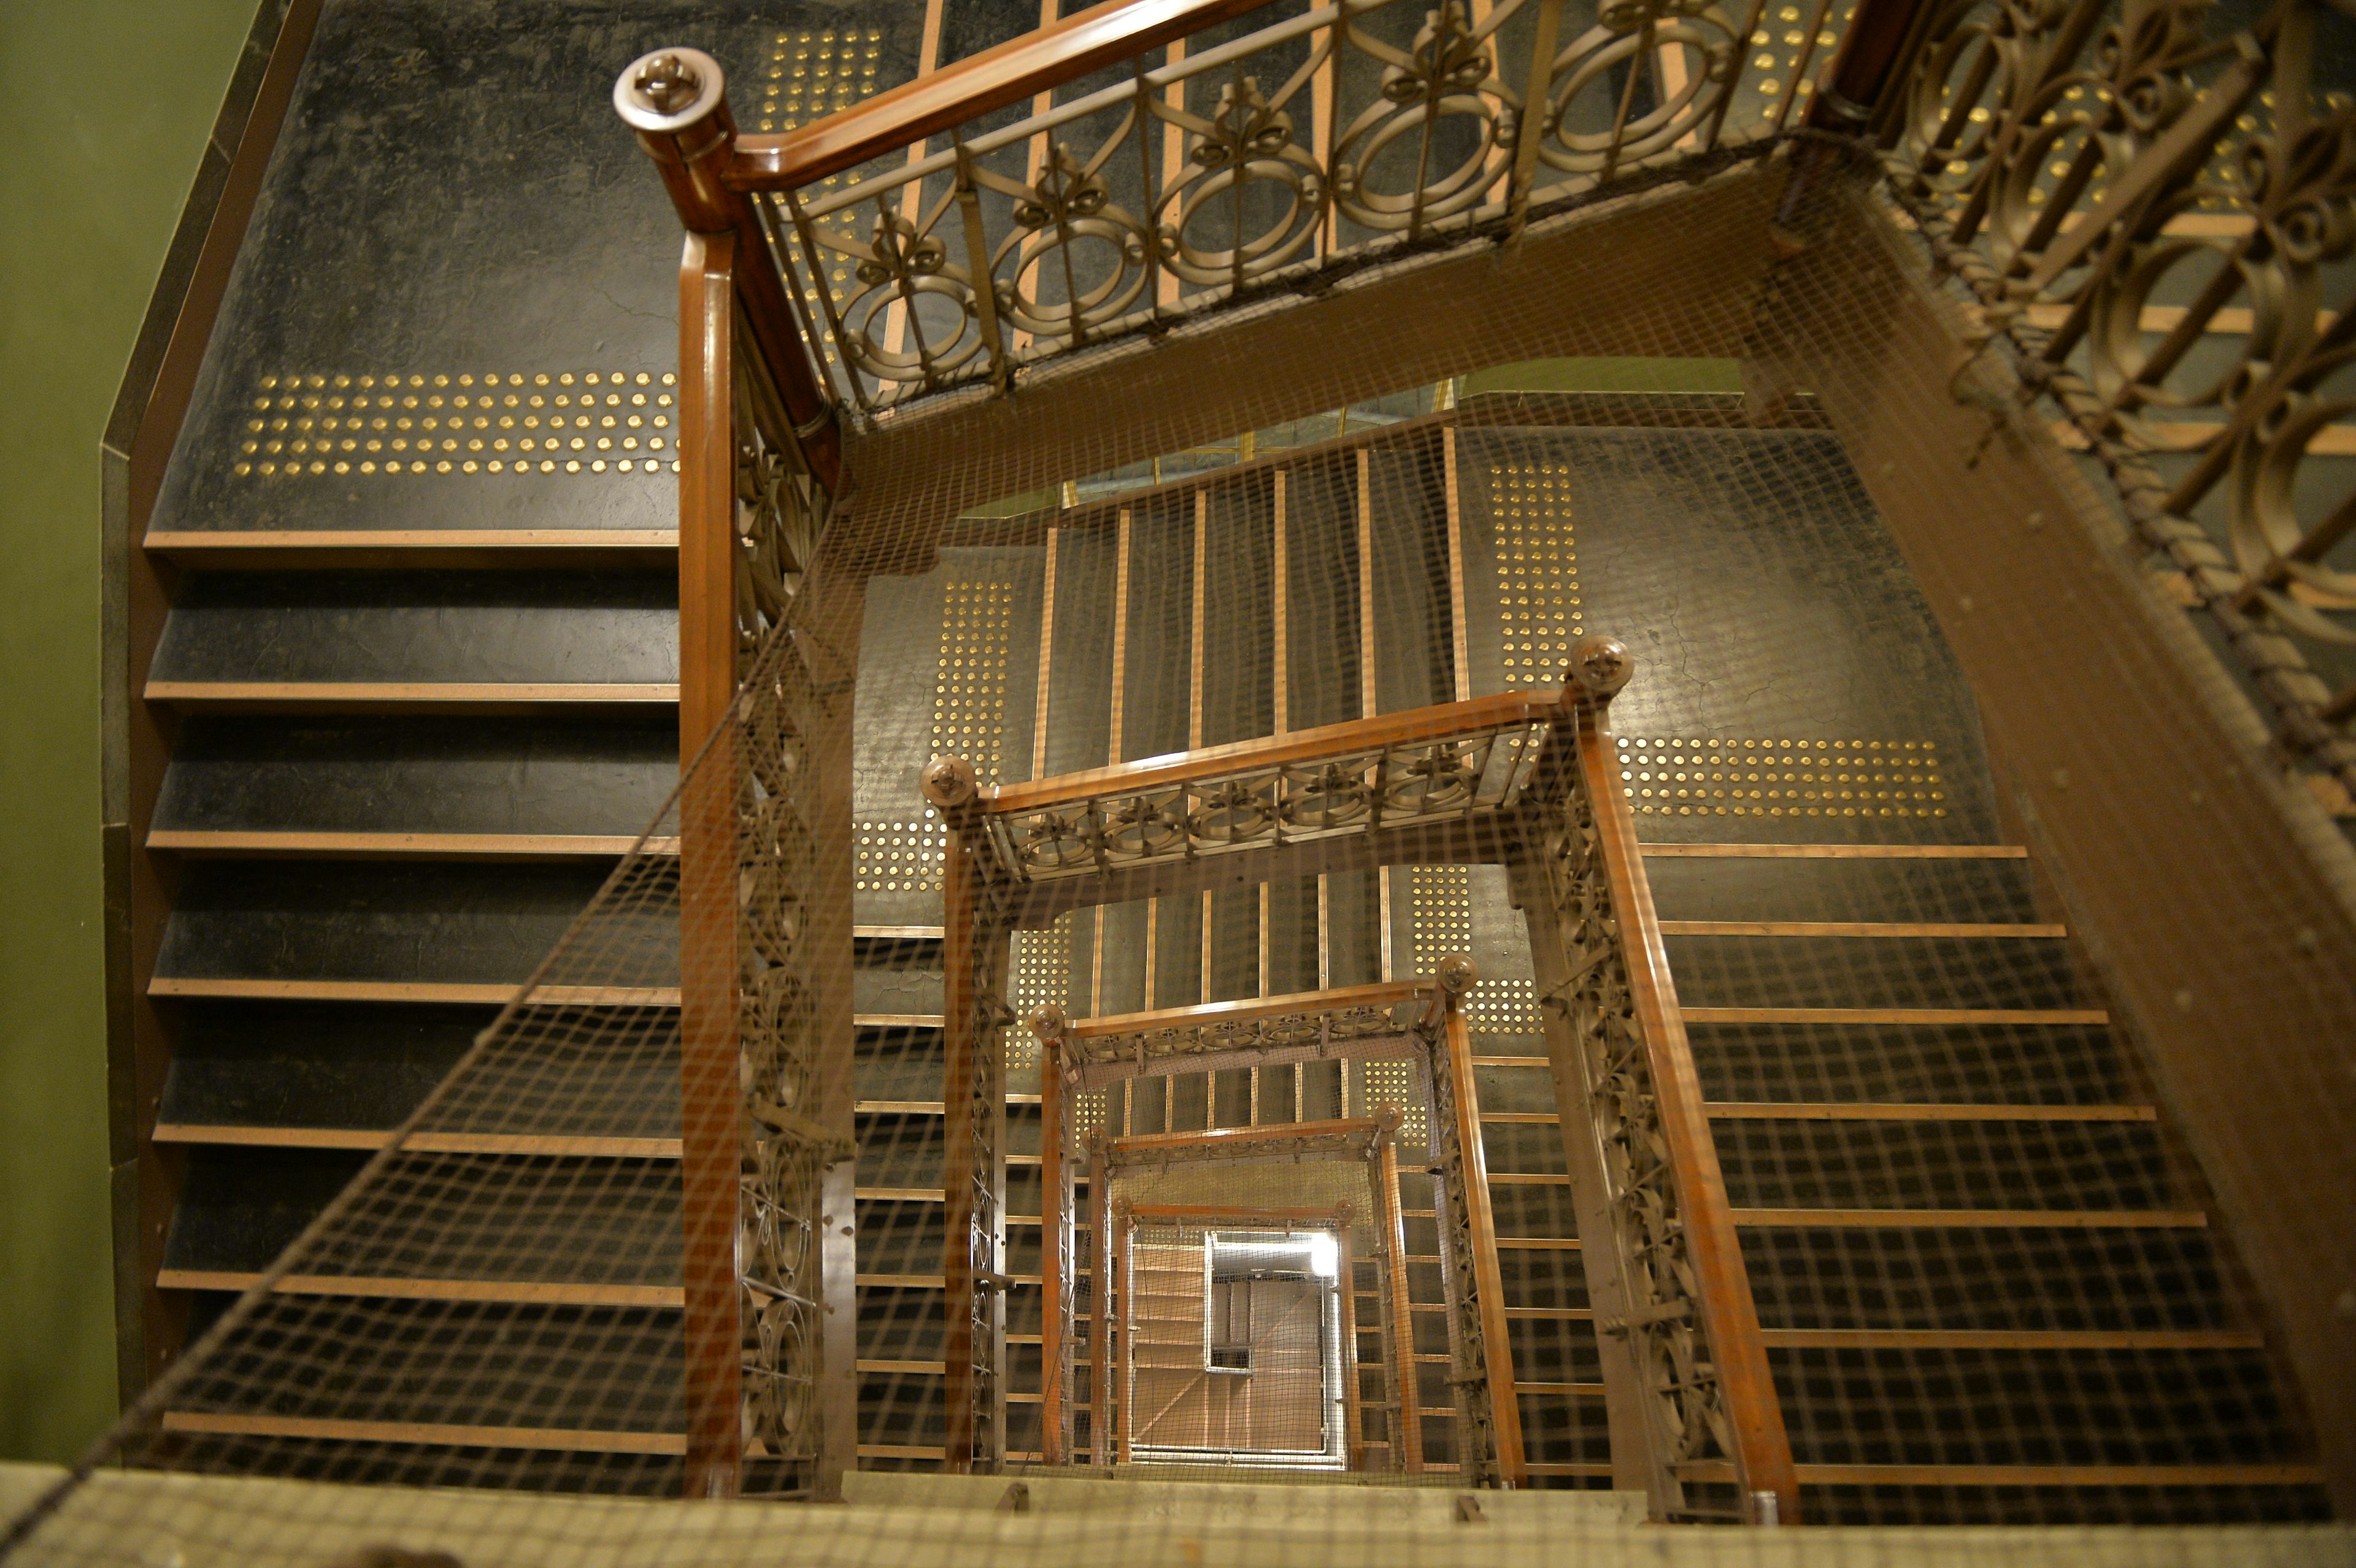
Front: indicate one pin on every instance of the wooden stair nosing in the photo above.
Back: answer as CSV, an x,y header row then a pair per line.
x,y
398,697
309,549
590,1147
517,1292
2011,1339
374,846
426,1433
1893,929
2106,1476
498,994
1668,851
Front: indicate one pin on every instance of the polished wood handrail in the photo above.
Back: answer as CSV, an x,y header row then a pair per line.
x,y
1387,993
693,149
710,1097
1728,1314
1443,721
1218,1140
1014,73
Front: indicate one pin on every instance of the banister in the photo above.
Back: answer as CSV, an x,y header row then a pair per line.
x,y
1014,73
1387,993
1730,1316
1443,721
676,101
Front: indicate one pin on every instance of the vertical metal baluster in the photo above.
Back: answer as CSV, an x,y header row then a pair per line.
x,y
985,282
1734,81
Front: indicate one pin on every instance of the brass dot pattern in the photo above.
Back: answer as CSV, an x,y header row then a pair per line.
x,y
1374,1084
1695,776
1781,37
900,856
970,691
1041,971
809,76
1439,906
1537,569
592,422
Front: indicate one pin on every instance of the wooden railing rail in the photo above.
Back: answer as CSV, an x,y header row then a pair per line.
x,y
1444,721
676,101
1014,73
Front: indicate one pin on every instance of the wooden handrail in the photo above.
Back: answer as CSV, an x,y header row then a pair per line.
x,y
1229,1213
1728,1314
1444,721
1014,73
1389,993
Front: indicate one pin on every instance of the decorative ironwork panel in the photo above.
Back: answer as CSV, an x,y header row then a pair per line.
x,y
1354,792
1662,1321
2077,165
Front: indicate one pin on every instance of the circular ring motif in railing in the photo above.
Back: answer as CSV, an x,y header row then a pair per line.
x,y
2267,526
2120,357
1957,96
1329,797
1054,841
1437,780
1143,827
1244,147
1584,101
1231,811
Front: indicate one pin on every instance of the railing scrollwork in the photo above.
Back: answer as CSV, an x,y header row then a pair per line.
x,y
2078,164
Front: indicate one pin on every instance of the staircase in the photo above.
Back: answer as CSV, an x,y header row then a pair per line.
x,y
402,665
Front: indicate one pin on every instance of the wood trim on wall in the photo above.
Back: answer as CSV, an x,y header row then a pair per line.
x,y
137,736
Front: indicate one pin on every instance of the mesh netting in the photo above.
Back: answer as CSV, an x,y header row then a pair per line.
x,y
1995,1275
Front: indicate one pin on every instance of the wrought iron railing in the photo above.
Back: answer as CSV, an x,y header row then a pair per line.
x,y
1170,164
1526,779
2079,164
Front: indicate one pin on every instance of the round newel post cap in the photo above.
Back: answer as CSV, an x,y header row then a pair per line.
x,y
669,89
1599,666
1457,974
1048,1022
949,782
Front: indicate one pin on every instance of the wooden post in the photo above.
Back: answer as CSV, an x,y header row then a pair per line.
x,y
1124,1371
1406,1394
970,1261
677,102
1456,979
1102,1281
708,1091
1057,1248
1353,1434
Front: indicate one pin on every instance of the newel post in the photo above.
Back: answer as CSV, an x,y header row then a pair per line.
x,y
677,102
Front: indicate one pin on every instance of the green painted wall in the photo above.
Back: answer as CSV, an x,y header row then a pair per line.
x,y
106,113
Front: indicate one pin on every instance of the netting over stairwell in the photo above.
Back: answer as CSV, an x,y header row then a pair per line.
x,y
1995,1268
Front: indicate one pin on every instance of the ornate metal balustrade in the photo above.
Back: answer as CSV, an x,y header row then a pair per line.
x,y
2077,163
1528,780
1371,1142
1400,1019
927,247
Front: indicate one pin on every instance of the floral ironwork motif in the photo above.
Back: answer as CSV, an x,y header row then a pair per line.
x,y
1659,1321
2081,170
1411,782
1227,169
784,1145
